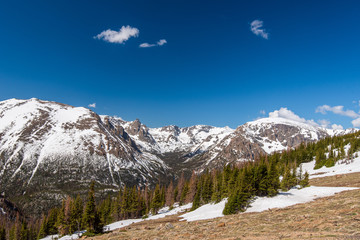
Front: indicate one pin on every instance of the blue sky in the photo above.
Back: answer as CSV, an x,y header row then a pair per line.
x,y
213,68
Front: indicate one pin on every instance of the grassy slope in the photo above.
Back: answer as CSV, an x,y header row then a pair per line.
x,y
335,217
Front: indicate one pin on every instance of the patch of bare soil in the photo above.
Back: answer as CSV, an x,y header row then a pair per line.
x,y
335,217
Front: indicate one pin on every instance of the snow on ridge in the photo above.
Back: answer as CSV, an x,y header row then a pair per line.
x,y
48,131
279,120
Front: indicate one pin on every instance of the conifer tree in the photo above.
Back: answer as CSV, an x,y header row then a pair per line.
x,y
91,219
196,202
237,202
76,213
105,211
305,181
24,233
51,221
12,233
184,193
286,180
156,200
61,220
43,232
217,187
273,179
176,193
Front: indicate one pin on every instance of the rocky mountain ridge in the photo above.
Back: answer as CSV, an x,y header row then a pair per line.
x,y
49,149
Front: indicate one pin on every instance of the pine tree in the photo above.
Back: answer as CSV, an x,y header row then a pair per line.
x,y
217,187
156,200
184,193
24,233
43,232
76,213
237,202
91,219
196,202
273,179
286,180
61,220
12,233
51,221
305,181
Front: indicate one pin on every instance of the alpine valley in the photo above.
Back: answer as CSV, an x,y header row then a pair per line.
x,y
49,150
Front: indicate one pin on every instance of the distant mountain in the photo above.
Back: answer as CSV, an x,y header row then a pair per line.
x,y
200,147
49,149
264,136
53,148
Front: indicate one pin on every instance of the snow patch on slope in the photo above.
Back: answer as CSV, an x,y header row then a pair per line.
x,y
341,167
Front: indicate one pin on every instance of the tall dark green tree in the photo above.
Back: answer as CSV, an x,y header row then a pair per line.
x,y
156,200
91,218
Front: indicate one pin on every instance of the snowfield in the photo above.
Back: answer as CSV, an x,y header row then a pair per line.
x,y
163,212
259,204
207,211
341,167
294,196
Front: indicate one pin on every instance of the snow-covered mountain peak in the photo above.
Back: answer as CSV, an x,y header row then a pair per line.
x,y
270,121
64,143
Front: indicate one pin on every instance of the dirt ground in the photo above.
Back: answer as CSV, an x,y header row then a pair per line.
x,y
335,217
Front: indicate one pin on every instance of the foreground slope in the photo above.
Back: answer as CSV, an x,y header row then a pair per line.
x,y
335,217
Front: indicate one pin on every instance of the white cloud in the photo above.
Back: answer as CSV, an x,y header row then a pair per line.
x,y
256,27
324,123
262,112
356,122
337,127
147,45
337,110
92,105
161,42
120,36
288,114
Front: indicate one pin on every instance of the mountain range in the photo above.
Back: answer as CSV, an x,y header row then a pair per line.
x,y
50,149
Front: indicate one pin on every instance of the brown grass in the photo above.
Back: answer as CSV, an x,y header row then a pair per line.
x,y
335,217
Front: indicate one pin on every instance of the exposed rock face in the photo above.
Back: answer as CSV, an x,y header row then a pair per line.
x,y
8,209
